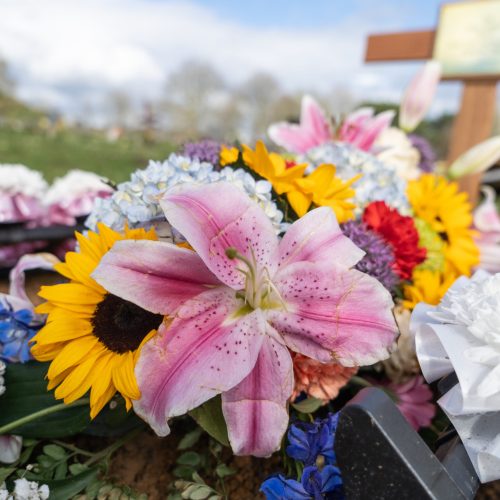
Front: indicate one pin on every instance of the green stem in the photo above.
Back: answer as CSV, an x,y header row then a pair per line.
x,y
107,452
41,413
360,381
71,447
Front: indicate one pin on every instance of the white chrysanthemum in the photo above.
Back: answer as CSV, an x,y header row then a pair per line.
x,y
76,183
25,490
396,149
2,380
136,201
19,179
379,180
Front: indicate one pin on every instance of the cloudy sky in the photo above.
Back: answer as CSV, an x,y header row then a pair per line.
x,y
68,54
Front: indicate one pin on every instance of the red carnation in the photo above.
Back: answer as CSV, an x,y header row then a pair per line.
x,y
400,232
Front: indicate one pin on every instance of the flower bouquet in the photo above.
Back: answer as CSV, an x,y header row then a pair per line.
x,y
238,298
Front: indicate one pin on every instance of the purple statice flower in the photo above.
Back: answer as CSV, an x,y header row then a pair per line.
x,y
427,154
379,259
315,484
205,150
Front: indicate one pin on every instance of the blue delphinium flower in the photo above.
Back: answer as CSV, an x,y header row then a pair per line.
x,y
17,328
309,441
314,484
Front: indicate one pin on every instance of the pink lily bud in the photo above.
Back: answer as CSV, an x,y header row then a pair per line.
x,y
477,159
419,95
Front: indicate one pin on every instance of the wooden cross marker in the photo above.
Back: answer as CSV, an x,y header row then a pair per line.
x,y
474,122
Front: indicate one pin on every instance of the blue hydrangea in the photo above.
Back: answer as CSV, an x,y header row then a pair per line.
x,y
17,328
136,201
379,181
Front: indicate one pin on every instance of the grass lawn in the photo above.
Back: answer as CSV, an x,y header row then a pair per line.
x,y
55,154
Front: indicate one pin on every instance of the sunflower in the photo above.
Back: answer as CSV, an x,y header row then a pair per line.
x,y
427,286
447,212
93,338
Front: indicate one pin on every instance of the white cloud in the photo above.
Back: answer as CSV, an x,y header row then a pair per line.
x,y
71,53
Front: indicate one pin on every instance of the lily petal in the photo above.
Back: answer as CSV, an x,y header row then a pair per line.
x,y
317,237
219,216
157,276
334,314
419,95
314,129
255,410
202,353
26,263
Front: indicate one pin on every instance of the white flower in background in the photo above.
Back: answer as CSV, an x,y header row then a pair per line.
x,y
136,201
25,490
75,184
73,196
19,179
379,181
21,194
396,149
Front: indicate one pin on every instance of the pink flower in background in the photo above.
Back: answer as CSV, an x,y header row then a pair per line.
x,y
487,223
236,305
414,400
314,129
319,380
362,127
73,196
419,96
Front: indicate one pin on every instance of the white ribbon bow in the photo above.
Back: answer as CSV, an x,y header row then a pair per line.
x,y
446,340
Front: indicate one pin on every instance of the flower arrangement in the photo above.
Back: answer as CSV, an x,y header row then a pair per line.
x,y
243,292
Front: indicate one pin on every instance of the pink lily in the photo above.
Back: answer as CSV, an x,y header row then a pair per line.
x,y
314,129
236,305
419,96
487,222
361,128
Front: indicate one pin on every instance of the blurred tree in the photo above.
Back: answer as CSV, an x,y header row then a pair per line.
x,y
120,108
6,82
192,95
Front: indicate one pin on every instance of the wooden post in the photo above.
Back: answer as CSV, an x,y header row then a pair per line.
x,y
473,125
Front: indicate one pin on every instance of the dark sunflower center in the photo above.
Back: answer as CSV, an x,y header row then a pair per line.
x,y
121,326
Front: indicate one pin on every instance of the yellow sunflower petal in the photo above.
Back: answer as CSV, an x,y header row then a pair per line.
x,y
74,352
46,352
124,377
62,331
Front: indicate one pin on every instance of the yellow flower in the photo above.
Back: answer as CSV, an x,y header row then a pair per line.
x,y
448,212
427,286
324,189
273,167
228,156
93,338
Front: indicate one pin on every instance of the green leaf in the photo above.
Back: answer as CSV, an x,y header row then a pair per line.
x,y
209,416
5,472
77,468
189,458
28,394
200,492
308,405
45,461
183,471
190,439
54,451
63,489
222,470
61,471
